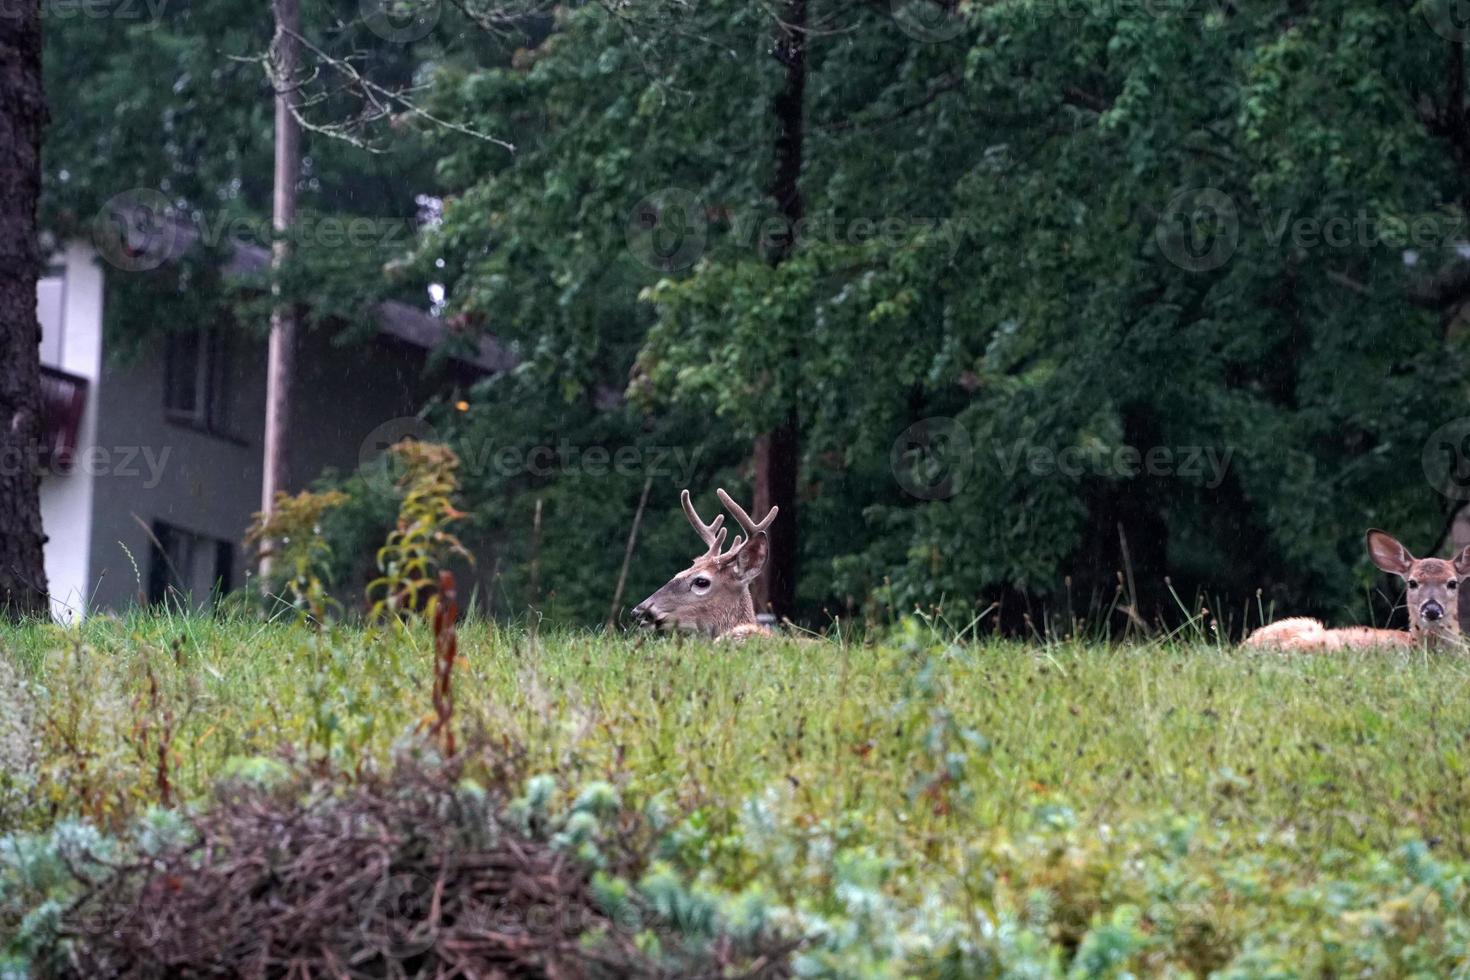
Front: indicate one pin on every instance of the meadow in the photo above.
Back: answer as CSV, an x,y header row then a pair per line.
x,y
906,805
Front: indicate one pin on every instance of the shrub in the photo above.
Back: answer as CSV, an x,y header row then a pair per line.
x,y
422,873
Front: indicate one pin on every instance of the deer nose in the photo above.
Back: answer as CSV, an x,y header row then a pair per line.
x,y
643,616
1432,611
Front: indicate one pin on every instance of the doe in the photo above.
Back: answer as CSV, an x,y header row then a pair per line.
x,y
1434,612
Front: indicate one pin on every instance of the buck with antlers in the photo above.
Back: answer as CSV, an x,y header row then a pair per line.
x,y
713,594
1434,610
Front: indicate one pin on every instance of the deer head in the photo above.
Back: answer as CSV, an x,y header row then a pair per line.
x,y
1433,587
713,594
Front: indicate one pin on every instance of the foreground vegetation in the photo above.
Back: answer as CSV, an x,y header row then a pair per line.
x,y
911,806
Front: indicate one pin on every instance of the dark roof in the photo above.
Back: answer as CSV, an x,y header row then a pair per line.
x,y
174,236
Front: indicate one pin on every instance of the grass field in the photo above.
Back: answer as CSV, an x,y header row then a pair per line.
x,y
913,807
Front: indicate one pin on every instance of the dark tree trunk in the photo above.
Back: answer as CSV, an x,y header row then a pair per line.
x,y
1125,542
22,114
778,452
777,462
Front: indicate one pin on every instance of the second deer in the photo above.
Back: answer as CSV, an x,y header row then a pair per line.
x,y
713,594
1434,612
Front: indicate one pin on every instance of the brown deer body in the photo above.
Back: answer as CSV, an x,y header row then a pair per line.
x,y
1432,598
713,594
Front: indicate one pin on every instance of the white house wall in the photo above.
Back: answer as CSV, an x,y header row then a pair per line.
x,y
201,482
70,310
134,466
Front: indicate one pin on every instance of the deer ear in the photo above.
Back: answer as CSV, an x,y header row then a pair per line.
x,y
1462,562
750,559
1388,554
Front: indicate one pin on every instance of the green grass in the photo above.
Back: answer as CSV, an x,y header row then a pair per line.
x,y
1174,807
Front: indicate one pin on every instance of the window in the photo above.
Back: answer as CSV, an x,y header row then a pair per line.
x,y
187,567
194,381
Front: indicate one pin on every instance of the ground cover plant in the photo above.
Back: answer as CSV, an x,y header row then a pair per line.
x,y
910,806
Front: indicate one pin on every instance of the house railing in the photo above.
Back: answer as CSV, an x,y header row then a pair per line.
x,y
63,403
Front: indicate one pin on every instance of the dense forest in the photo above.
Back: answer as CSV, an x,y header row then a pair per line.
x,y
1036,306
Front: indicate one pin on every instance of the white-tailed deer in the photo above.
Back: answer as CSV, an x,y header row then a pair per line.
x,y
713,594
1432,597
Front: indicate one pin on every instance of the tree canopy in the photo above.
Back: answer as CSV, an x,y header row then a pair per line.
x,y
1151,296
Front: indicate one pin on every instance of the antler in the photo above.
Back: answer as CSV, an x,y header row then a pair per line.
x,y
750,527
711,534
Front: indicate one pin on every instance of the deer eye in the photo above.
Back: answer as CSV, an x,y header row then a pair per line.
x,y
700,585
1452,585
1413,584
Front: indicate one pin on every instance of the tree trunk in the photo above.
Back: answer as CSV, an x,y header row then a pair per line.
x,y
778,452
22,114
777,463
281,351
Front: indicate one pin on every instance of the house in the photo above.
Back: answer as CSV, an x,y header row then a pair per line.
x,y
153,458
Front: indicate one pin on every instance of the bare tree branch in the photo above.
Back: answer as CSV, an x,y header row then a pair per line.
x,y
379,102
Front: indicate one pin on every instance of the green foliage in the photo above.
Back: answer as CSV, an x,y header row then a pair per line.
x,y
586,466
170,99
1004,229
40,874
1032,282
291,534
422,542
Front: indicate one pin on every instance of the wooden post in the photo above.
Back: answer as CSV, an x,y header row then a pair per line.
x,y
536,555
281,353
612,616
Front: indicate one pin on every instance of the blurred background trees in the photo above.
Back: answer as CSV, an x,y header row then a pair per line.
x,y
1179,280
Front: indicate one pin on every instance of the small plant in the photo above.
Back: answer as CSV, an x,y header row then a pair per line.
x,y
291,536
421,542
153,730
83,766
446,650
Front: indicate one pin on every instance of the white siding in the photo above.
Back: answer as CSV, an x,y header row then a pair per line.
x,y
70,309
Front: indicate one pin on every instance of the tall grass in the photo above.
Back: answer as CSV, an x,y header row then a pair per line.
x,y
1201,786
